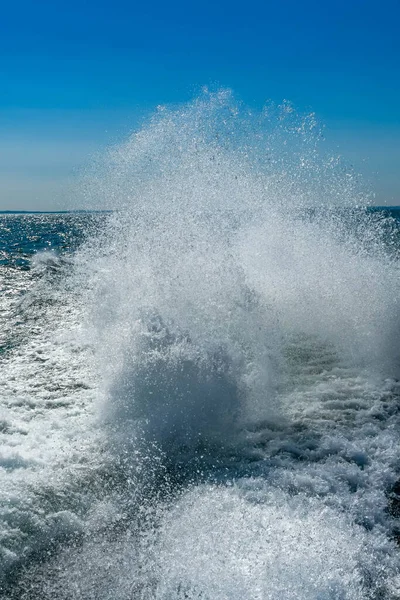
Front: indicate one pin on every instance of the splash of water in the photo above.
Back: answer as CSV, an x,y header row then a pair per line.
x,y
244,313
216,261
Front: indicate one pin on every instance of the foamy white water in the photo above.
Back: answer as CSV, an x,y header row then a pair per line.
x,y
208,405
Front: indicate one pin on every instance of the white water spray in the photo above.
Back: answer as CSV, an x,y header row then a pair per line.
x,y
244,316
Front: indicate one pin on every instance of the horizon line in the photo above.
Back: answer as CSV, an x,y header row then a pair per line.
x,y
101,211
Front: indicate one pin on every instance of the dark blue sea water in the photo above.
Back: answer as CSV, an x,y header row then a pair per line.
x,y
199,392
24,234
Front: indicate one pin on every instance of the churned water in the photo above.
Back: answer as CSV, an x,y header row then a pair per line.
x,y
199,393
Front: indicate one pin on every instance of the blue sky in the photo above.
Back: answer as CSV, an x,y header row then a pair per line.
x,y
77,76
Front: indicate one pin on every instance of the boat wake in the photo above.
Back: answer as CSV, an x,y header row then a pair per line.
x,y
241,317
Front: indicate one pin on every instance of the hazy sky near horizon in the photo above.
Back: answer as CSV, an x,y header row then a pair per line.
x,y
79,76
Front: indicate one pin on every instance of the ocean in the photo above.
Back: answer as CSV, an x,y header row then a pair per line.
x,y
199,391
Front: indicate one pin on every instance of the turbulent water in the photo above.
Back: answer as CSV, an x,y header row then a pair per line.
x,y
198,392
